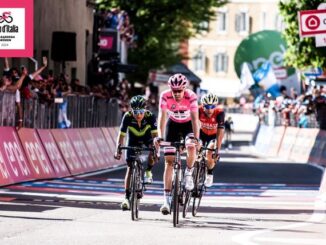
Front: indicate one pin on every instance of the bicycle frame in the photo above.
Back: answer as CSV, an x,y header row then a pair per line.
x,y
177,180
137,185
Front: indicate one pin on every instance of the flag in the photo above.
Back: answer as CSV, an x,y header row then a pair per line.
x,y
266,78
246,78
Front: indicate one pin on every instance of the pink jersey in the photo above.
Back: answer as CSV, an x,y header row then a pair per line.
x,y
179,111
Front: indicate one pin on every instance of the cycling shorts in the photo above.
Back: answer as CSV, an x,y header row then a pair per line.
x,y
175,131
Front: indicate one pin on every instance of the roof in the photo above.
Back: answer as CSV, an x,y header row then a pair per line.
x,y
182,68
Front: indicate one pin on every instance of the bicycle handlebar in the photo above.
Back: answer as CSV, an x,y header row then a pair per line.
x,y
136,148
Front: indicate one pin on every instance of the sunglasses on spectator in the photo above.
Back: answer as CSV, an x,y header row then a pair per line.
x,y
209,107
140,111
177,91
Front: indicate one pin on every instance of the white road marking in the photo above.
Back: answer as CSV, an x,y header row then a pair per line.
x,y
247,238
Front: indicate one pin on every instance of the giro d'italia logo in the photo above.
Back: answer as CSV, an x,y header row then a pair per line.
x,y
16,28
6,17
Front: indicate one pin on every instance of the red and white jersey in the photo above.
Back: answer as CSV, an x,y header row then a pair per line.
x,y
179,111
209,125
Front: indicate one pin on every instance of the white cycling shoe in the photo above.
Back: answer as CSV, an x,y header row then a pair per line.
x,y
165,208
189,182
209,180
125,205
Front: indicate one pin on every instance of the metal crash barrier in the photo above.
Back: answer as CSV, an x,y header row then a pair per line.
x,y
81,110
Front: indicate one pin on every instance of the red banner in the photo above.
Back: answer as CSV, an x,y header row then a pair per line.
x,y
93,148
36,154
15,168
53,153
85,158
105,148
111,135
67,151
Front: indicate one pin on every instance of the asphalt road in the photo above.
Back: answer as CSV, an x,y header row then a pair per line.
x,y
253,201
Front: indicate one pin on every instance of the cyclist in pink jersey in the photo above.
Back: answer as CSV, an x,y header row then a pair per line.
x,y
178,118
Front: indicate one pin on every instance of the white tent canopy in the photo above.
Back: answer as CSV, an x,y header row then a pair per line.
x,y
221,87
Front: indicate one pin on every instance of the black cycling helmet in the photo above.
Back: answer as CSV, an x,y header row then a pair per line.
x,y
138,102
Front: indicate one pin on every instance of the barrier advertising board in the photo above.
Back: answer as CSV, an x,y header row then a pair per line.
x,y
14,165
36,154
53,152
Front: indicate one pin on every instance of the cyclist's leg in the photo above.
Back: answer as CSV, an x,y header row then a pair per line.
x,y
125,205
168,169
191,155
210,164
148,178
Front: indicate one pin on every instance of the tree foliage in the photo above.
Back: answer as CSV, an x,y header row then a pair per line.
x,y
301,52
160,26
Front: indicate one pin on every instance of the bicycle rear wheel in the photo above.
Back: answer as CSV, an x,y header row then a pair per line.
x,y
134,201
199,185
175,198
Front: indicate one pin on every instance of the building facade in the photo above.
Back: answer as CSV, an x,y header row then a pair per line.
x,y
212,53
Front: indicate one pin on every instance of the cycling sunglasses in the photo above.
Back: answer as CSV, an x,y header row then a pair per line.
x,y
177,91
139,111
209,107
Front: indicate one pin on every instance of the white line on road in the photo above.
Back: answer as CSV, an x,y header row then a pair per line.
x,y
317,216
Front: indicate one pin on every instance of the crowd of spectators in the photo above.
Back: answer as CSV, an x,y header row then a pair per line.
x,y
119,20
44,86
291,109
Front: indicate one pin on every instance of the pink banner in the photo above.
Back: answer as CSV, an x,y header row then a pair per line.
x,y
36,154
93,148
104,147
53,153
15,168
80,148
67,151
111,135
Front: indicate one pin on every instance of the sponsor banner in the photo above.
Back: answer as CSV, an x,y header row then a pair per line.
x,y
303,145
16,28
263,139
276,141
81,150
111,135
53,152
35,153
102,144
15,168
288,142
92,147
67,151
318,151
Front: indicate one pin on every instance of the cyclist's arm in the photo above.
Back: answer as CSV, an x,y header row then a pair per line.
x,y
162,116
195,123
220,130
123,130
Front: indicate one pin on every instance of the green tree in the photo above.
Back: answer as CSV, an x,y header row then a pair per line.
x,y
160,26
301,52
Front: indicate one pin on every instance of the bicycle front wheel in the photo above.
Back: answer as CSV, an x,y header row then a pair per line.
x,y
175,201
134,201
199,189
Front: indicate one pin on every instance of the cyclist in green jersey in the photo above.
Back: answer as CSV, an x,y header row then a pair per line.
x,y
141,127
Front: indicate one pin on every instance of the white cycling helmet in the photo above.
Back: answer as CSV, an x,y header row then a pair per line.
x,y
178,81
209,99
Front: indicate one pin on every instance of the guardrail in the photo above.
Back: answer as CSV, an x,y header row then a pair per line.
x,y
82,111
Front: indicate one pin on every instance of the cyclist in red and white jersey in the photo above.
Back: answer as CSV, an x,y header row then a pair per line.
x,y
178,117
211,131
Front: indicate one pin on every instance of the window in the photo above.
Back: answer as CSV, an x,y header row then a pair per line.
x,y
263,20
221,21
199,61
242,22
204,26
279,23
221,62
